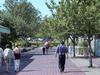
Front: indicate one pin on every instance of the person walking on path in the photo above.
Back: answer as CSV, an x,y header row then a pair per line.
x,y
62,52
43,50
17,54
8,56
1,57
47,45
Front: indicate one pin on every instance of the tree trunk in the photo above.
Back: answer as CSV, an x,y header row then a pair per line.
x,y
90,52
73,41
94,46
74,47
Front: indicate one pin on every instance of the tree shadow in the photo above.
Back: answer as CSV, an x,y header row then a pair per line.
x,y
76,71
25,60
95,67
29,70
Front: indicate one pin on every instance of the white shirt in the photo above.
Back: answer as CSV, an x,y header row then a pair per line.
x,y
8,53
1,52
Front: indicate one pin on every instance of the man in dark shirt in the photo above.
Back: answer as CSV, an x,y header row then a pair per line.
x,y
62,51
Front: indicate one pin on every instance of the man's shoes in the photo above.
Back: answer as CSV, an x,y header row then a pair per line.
x,y
7,71
61,71
17,70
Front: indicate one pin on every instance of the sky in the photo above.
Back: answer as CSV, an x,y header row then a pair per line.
x,y
38,4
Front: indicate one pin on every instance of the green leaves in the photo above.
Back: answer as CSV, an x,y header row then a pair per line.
x,y
23,16
76,17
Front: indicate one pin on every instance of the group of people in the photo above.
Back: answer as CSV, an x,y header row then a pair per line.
x,y
7,55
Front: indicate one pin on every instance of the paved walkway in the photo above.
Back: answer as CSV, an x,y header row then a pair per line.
x,y
34,63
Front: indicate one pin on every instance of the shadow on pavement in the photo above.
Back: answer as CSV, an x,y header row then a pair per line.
x,y
25,60
75,71
29,70
41,54
95,67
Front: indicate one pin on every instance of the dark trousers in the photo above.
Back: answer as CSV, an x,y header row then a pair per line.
x,y
61,62
43,49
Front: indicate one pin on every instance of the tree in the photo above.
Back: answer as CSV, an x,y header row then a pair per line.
x,y
89,20
81,17
65,13
21,16
46,29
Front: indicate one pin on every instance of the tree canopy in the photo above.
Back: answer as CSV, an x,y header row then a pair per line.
x,y
21,17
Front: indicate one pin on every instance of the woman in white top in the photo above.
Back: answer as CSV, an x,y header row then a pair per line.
x,y
47,45
8,56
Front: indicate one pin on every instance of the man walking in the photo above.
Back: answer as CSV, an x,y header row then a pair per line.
x,y
62,51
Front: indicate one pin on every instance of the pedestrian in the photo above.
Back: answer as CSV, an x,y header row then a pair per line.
x,y
47,45
43,50
8,56
62,52
70,49
1,58
17,54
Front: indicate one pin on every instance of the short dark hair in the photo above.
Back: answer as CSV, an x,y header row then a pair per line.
x,y
62,42
7,46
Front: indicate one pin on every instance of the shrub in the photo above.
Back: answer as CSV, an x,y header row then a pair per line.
x,y
82,46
